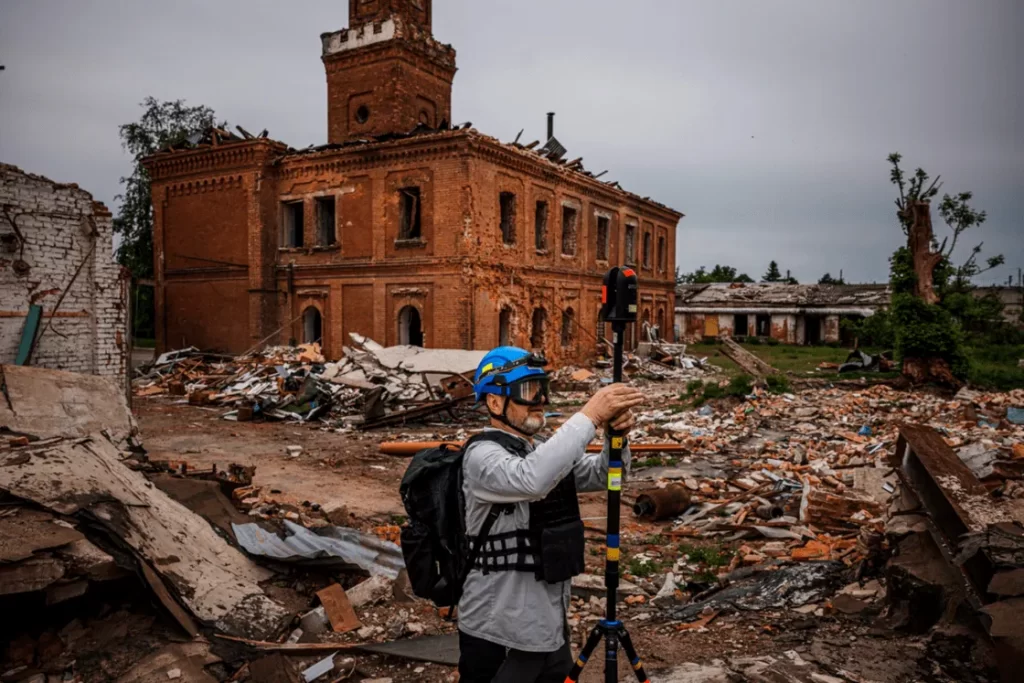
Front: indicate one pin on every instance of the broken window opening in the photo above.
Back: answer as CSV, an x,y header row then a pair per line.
x,y
603,223
569,218
505,327
410,327
312,326
763,325
537,328
293,224
409,213
630,245
812,330
568,321
325,221
740,325
647,250
661,254
660,325
507,202
540,227
362,114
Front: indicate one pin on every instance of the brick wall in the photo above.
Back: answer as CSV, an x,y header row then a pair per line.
x,y
48,232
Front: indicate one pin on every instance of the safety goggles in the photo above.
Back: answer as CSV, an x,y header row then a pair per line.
x,y
531,391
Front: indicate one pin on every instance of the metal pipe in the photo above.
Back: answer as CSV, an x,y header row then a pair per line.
x,y
551,124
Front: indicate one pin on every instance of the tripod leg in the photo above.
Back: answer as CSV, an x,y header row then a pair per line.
x,y
611,656
634,659
581,661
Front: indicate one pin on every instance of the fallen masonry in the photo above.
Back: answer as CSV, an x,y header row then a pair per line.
x,y
795,549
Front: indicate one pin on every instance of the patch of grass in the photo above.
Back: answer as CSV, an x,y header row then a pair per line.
x,y
739,386
777,384
143,343
712,556
398,520
655,539
642,568
705,576
787,358
995,367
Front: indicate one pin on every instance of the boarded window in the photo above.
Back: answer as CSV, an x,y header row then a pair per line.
x,y
505,327
647,250
568,326
538,323
603,223
661,253
409,213
631,245
293,220
507,201
325,234
570,216
540,226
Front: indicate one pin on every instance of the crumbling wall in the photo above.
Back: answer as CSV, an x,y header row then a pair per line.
x,y
56,251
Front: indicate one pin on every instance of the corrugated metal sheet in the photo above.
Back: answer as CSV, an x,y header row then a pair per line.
x,y
348,545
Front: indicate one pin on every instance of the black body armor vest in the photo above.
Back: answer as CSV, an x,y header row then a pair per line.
x,y
553,547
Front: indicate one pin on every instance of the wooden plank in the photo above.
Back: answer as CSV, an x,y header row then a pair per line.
x,y
748,362
180,615
339,610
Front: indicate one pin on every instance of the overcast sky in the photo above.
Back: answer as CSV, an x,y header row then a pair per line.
x,y
766,122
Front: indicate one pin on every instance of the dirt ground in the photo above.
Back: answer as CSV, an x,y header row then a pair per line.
x,y
347,468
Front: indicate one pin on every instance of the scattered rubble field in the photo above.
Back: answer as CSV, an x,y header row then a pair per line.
x,y
854,533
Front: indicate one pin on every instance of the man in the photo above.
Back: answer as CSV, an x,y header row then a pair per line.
x,y
512,614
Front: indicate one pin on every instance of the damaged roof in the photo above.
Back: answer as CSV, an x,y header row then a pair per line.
x,y
767,294
553,155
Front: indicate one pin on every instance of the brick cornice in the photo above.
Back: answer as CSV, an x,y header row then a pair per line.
x,y
375,155
221,158
201,186
438,61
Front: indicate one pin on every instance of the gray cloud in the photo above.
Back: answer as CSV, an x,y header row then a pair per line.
x,y
768,124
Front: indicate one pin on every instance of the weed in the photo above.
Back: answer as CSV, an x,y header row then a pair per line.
x,y
777,384
655,539
398,520
712,556
640,567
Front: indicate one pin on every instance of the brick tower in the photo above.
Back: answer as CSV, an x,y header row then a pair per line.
x,y
386,73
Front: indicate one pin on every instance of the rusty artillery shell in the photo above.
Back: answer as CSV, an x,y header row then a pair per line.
x,y
654,504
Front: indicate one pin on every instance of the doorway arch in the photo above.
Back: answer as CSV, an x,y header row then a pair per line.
x,y
410,327
312,326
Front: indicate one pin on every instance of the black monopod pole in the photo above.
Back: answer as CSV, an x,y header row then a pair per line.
x,y
618,297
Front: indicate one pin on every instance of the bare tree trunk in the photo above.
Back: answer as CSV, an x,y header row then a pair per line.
x,y
919,241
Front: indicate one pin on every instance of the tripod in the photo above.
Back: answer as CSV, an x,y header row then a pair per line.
x,y
610,628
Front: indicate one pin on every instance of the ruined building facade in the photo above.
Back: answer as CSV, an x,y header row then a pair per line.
x,y
402,227
63,299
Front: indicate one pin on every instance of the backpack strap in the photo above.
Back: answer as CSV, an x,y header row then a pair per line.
x,y
508,442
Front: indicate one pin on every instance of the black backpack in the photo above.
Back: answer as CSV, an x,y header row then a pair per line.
x,y
438,553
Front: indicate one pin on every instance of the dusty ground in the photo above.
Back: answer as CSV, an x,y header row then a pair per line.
x,y
347,467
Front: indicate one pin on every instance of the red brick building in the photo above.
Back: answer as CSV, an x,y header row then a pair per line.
x,y
402,227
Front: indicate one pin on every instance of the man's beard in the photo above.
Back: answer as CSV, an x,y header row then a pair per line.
x,y
531,424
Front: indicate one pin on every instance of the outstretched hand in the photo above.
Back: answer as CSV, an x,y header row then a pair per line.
x,y
612,403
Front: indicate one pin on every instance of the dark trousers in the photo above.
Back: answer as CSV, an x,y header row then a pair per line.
x,y
481,661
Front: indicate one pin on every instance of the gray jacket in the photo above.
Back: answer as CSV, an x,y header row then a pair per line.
x,y
513,608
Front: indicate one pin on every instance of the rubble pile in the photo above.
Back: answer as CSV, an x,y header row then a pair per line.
x,y
370,386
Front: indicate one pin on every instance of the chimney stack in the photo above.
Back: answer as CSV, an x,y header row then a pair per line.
x,y
551,124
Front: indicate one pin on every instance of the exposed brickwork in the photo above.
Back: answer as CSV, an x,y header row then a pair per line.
x,y
417,224
48,232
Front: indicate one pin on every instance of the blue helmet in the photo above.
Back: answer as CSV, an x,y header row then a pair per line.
x,y
507,367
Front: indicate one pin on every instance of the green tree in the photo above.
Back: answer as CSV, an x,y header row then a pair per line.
x,y
827,279
932,306
719,273
773,274
161,124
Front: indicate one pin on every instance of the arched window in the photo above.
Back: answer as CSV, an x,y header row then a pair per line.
x,y
312,326
410,330
505,327
568,323
539,322
645,325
